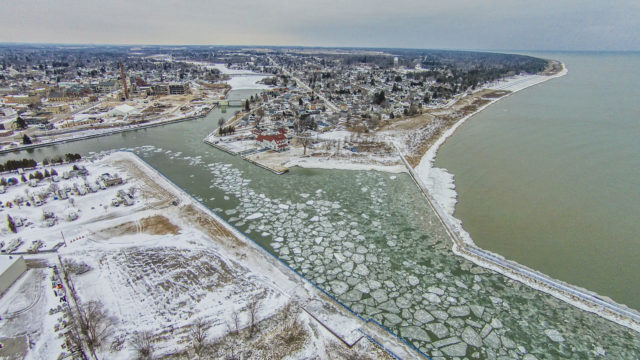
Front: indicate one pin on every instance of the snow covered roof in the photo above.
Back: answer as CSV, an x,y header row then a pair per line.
x,y
6,261
123,109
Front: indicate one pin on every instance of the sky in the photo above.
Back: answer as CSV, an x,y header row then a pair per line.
x,y
444,24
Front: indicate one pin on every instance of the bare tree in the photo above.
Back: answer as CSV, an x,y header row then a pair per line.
x,y
253,316
95,322
142,342
236,321
198,334
305,141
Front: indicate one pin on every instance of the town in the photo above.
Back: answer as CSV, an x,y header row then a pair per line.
x,y
358,106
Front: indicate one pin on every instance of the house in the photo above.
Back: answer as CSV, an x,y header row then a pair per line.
x,y
113,181
277,142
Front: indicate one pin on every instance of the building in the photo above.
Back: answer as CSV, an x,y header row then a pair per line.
x,y
170,89
277,142
22,99
58,109
178,89
106,86
11,267
123,110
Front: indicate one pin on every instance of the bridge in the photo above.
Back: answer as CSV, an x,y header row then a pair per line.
x,y
235,103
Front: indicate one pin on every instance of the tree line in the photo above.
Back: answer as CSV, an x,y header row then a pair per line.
x,y
13,165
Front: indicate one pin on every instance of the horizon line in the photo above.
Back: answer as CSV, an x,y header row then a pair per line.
x,y
26,43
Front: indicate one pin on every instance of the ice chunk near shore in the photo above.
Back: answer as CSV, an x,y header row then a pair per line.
x,y
554,335
339,287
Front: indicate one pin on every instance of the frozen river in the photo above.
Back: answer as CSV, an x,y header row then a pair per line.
x,y
371,240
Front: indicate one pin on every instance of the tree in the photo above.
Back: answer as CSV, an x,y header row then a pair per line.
x,y
253,316
46,173
11,224
54,172
69,157
26,140
198,334
220,121
20,123
142,342
379,98
95,322
246,105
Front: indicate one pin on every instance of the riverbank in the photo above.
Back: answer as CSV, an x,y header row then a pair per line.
x,y
97,133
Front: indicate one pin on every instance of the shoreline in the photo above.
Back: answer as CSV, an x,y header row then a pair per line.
x,y
438,188
438,180
105,133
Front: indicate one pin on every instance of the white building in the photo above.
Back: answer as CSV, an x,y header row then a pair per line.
x,y
123,110
11,267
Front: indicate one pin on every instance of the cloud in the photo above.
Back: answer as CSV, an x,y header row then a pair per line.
x,y
497,24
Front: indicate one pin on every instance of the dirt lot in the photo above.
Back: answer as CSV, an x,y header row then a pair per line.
x,y
154,225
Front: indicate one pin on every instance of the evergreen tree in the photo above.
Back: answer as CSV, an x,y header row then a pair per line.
x,y
20,123
26,140
11,224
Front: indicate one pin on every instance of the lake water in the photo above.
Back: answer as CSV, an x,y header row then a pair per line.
x,y
371,240
550,177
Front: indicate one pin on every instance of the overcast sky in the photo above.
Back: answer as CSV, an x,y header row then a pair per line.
x,y
444,24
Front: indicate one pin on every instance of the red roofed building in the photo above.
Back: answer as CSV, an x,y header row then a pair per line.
x,y
277,142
